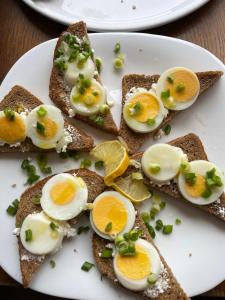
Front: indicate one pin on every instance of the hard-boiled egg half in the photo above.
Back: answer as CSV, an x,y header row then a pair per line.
x,y
202,184
133,271
45,126
162,162
178,88
13,127
41,235
64,196
143,111
112,214
87,96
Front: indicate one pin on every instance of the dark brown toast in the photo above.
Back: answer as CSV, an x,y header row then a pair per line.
x,y
17,97
135,140
29,267
59,91
192,146
105,266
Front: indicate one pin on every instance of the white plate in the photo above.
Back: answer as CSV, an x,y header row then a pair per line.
x,y
199,234
115,15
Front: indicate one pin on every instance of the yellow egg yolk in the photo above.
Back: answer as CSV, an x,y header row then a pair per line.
x,y
135,267
12,131
50,128
109,209
196,189
149,107
188,80
91,96
63,192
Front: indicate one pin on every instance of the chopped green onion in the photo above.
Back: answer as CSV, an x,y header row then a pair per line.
x,y
9,113
108,227
99,164
159,225
180,88
154,211
117,48
170,79
145,216
212,179
41,112
98,63
206,193
61,64
52,263
36,199
40,128
73,55
95,93
118,63
99,120
30,170
154,168
185,166
137,107
135,234
150,122
53,226
165,95
178,221
167,129
28,235
42,161
127,248
150,230
85,163
73,154
63,155
167,229
86,266
32,178
82,229
152,278
106,253
190,178
59,52
104,108
162,204
119,239
12,209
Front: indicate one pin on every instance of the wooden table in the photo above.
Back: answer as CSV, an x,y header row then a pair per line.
x,y
22,28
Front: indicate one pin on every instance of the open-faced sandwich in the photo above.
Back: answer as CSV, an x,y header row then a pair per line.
x,y
28,125
150,102
75,86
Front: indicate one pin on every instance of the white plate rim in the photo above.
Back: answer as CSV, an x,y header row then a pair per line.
x,y
131,26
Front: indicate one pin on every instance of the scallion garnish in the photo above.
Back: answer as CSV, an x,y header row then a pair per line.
x,y
99,120
145,216
190,178
150,230
41,112
98,63
108,227
167,229
99,164
150,122
9,113
40,128
85,163
106,253
36,199
53,226
12,209
170,79
82,229
52,263
154,168
42,161
30,170
152,278
165,95
180,88
167,129
117,48
159,225
86,266
28,235
178,221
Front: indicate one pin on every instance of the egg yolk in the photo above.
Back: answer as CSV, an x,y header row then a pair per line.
x,y
196,189
189,82
12,131
149,107
135,267
91,96
50,127
109,209
63,192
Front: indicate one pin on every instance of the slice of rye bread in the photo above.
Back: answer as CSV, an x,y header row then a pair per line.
x,y
29,267
18,96
59,91
105,266
135,140
192,146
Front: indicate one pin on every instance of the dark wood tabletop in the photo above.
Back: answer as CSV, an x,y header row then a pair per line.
x,y
21,28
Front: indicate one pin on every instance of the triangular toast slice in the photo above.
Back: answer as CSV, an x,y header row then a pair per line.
x,y
59,91
192,146
135,140
19,97
105,266
29,264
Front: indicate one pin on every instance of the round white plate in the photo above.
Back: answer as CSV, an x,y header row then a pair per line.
x,y
195,250
127,15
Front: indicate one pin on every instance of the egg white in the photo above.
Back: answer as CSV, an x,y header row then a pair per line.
x,y
69,210
139,285
201,167
72,72
40,141
44,240
168,157
160,87
87,110
130,212
140,126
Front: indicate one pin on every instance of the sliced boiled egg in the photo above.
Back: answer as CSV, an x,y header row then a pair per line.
x,y
201,190
143,111
64,196
90,100
178,88
12,130
45,125
112,214
133,271
161,162
72,72
38,236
